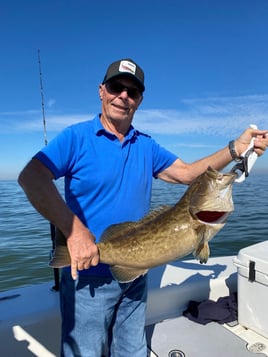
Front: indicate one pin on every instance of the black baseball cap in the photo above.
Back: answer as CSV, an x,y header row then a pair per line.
x,y
126,67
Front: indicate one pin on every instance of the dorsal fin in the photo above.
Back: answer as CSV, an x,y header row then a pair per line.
x,y
121,230
118,231
154,213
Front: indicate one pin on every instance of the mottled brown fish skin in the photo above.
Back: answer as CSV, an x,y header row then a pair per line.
x,y
166,235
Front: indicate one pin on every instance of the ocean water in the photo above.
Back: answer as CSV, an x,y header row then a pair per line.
x,y
25,241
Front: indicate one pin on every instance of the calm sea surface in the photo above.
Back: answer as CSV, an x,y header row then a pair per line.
x,y
25,241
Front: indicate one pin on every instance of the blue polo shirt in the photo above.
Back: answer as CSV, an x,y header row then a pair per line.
x,y
106,181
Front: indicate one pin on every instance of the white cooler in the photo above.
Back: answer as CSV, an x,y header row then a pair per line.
x,y
252,268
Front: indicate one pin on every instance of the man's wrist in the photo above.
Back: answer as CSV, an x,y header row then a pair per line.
x,y
233,151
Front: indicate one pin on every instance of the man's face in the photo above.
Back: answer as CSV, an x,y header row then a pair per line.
x,y
120,99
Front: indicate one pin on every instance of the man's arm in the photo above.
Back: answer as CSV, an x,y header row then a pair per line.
x,y
181,172
37,182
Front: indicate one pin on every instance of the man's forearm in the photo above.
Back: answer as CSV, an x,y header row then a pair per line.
x,y
37,183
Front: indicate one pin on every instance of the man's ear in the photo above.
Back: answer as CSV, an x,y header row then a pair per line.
x,y
141,99
101,91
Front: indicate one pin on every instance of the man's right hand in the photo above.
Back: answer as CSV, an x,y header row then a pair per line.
x,y
83,251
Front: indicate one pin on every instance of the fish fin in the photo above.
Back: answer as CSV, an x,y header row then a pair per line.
x,y
125,274
112,231
154,213
125,228
60,257
202,252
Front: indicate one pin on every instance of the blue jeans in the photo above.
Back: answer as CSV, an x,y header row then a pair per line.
x,y
101,317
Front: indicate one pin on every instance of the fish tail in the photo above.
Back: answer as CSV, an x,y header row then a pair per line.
x,y
60,257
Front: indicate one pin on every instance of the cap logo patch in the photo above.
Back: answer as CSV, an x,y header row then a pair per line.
x,y
126,66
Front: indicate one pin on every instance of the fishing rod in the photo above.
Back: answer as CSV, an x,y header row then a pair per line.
x,y
42,98
52,227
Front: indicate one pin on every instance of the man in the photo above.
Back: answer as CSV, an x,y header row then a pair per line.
x,y
108,168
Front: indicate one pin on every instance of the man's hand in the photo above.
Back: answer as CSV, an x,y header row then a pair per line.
x,y
83,251
260,142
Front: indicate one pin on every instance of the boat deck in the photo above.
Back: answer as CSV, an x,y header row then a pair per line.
x,y
170,334
181,337
30,316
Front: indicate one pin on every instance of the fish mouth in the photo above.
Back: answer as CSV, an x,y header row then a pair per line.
x,y
212,217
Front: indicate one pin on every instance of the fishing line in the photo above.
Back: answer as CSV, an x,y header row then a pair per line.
x,y
52,227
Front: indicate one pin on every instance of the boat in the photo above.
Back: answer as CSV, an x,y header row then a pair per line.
x,y
30,315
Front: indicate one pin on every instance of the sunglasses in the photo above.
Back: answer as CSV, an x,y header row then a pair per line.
x,y
116,87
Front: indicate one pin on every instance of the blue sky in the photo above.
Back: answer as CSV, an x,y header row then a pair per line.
x,y
205,64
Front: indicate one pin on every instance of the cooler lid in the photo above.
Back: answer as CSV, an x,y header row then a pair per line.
x,y
257,253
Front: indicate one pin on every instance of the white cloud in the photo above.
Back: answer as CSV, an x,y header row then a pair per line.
x,y
58,122
213,116
51,103
225,116
32,121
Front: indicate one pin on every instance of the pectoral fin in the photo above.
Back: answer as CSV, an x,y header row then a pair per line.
x,y
202,252
126,274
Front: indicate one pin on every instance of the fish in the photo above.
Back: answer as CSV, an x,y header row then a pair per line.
x,y
166,234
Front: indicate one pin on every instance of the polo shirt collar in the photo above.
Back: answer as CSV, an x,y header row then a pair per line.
x,y
100,130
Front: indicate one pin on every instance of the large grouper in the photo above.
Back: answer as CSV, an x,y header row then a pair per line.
x,y
166,234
